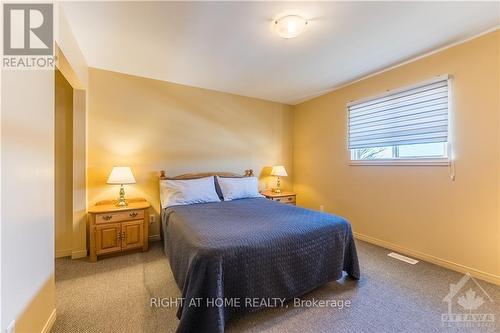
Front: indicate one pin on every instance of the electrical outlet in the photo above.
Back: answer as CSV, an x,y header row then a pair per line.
x,y
321,208
11,328
152,218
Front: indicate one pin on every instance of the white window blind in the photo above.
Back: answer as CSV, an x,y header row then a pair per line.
x,y
410,116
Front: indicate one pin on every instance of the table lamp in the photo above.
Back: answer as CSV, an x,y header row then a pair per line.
x,y
121,176
279,171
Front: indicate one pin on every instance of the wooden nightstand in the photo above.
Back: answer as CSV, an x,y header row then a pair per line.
x,y
117,229
284,196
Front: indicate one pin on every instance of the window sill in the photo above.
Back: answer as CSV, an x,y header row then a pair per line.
x,y
402,162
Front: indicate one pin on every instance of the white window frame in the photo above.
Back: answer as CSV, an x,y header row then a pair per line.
x,y
417,160
445,160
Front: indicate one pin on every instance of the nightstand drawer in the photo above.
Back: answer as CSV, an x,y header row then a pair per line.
x,y
287,199
119,216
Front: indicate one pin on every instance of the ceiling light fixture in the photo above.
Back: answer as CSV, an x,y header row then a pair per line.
x,y
290,26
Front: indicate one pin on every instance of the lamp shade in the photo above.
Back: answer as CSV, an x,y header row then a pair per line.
x,y
279,170
121,175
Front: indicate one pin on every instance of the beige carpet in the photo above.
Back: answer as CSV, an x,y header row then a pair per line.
x,y
113,295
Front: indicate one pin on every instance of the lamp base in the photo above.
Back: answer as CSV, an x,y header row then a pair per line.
x,y
121,199
277,188
121,204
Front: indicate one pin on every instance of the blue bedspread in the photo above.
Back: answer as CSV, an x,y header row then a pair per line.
x,y
251,248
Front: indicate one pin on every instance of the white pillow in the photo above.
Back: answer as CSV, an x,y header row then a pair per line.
x,y
189,191
239,188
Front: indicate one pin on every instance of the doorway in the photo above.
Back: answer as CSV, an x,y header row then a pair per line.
x,y
69,163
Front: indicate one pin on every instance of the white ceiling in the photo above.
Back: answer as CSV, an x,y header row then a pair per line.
x,y
230,46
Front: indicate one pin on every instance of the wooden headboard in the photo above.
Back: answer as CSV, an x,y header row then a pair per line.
x,y
248,173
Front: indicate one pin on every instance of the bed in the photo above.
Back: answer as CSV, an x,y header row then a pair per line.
x,y
225,255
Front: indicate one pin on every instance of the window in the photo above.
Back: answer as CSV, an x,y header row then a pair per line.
x,y
406,125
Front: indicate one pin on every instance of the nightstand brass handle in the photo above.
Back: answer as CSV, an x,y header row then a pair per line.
x,y
107,217
134,214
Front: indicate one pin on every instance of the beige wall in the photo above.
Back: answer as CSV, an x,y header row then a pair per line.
x,y
27,214
27,187
414,208
152,125
40,314
74,66
63,165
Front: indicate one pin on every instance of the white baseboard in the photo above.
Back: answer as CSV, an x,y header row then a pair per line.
x,y
488,277
63,253
79,254
154,238
50,322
